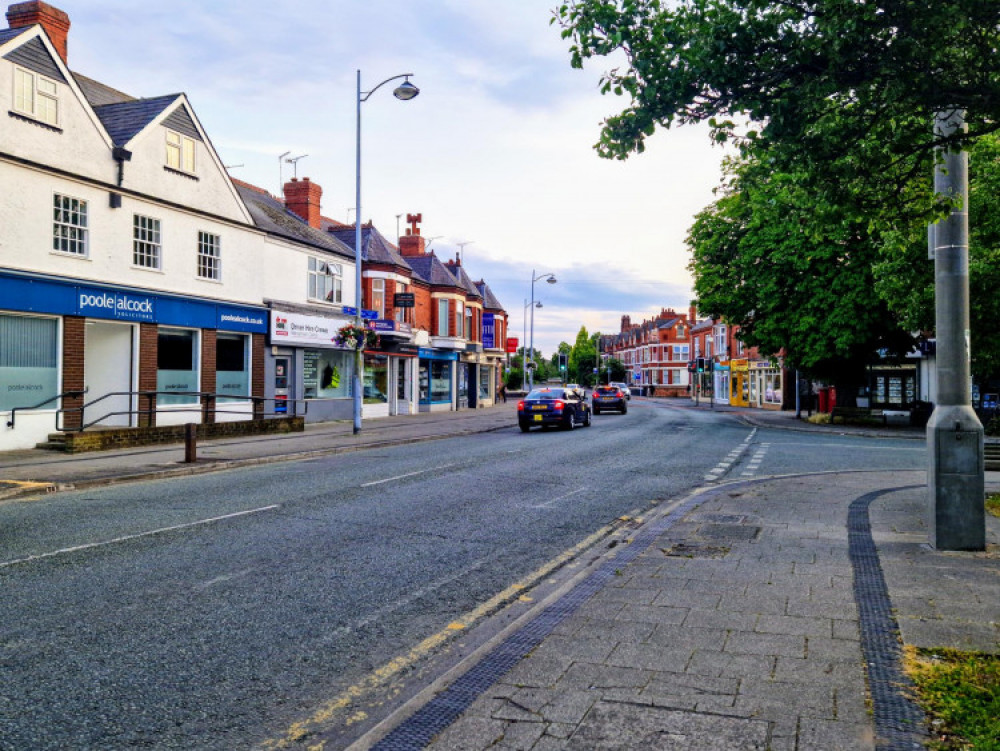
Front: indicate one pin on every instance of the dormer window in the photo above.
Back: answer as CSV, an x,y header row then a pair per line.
x,y
180,152
36,96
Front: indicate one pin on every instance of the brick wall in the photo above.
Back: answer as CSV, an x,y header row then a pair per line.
x,y
423,313
148,333
257,375
72,369
209,377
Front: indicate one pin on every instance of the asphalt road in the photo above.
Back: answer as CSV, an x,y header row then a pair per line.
x,y
219,611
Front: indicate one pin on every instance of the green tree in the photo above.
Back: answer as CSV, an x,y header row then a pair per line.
x,y
582,358
615,370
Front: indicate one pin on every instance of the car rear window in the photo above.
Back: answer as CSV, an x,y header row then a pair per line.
x,y
607,390
545,394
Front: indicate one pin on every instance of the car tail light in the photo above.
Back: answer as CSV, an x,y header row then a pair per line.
x,y
558,406
520,406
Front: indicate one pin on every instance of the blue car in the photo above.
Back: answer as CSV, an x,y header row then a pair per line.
x,y
564,408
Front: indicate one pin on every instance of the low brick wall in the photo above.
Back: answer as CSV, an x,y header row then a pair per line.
x,y
120,438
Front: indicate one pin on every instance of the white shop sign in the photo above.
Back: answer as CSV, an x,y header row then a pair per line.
x,y
312,331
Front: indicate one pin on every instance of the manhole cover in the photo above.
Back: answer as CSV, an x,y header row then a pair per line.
x,y
728,532
682,550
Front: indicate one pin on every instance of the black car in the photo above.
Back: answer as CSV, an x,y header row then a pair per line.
x,y
566,408
609,397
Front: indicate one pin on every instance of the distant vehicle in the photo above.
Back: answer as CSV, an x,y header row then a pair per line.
x,y
578,387
562,407
624,387
608,398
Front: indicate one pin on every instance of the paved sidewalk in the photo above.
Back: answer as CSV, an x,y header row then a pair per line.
x,y
759,615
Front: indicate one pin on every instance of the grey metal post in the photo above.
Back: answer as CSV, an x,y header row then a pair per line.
x,y
359,363
531,375
954,434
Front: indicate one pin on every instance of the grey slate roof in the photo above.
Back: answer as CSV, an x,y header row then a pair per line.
x,y
431,270
7,34
270,215
464,281
374,247
489,299
125,119
98,94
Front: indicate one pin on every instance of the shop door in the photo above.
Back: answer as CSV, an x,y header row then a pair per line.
x,y
108,371
463,386
473,380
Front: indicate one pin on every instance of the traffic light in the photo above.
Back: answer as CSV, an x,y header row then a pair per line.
x,y
563,358
700,364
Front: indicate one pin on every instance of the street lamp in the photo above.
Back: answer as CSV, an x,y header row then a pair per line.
x,y
405,91
551,279
524,340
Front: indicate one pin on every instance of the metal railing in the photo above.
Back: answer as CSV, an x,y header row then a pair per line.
x,y
205,404
57,397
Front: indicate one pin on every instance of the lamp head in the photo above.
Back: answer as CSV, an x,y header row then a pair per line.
x,y
405,91
551,280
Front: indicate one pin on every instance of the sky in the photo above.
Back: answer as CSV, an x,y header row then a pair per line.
x,y
496,151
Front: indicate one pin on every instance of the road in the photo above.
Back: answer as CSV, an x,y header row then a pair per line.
x,y
240,609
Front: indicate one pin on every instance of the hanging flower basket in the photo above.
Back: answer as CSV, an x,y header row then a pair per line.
x,y
355,337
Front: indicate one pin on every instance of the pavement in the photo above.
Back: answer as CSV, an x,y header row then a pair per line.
x,y
761,614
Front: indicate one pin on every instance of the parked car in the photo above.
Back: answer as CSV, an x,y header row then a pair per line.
x,y
553,406
624,387
609,397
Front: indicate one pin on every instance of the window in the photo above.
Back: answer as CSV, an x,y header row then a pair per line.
x,y
232,365
145,242
29,370
177,366
402,315
69,225
443,311
326,374
681,352
209,256
378,297
468,324
720,339
36,96
459,317
376,383
180,152
325,281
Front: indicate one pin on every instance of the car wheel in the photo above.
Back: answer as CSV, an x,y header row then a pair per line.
x,y
624,410
524,427
570,423
586,419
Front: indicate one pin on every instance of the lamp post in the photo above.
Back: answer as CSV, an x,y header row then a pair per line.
x,y
551,279
524,341
405,91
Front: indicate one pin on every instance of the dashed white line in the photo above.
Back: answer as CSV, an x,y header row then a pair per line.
x,y
408,474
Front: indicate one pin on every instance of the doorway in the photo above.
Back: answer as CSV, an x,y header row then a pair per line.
x,y
109,368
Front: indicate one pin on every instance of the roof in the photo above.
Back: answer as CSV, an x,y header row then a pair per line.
x,y
489,299
123,120
431,270
7,34
463,279
98,94
270,215
374,247
667,324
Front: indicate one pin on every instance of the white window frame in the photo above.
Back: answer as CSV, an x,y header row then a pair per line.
x,y
70,226
459,319
38,90
402,315
325,282
180,152
147,242
720,338
209,256
378,297
444,313
468,322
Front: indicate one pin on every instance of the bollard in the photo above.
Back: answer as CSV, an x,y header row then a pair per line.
x,y
190,443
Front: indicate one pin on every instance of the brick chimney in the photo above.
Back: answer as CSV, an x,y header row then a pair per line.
x,y
302,198
54,21
626,323
412,243
692,315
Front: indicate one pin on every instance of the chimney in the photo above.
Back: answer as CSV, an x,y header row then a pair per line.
x,y
412,243
626,323
458,259
302,198
692,315
54,21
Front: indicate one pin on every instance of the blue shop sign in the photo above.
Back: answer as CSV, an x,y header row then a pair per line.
x,y
24,293
366,315
433,354
489,331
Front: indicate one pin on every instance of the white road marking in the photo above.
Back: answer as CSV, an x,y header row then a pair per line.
x,y
558,498
408,474
126,538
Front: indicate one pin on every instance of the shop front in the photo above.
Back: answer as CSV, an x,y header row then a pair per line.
x,y
75,354
305,369
437,380
739,383
720,376
470,393
893,387
766,385
395,344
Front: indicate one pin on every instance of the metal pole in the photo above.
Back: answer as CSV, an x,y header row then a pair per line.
x,y
524,346
358,377
954,434
532,374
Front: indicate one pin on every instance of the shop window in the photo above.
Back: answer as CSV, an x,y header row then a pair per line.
x,y
376,385
29,370
69,225
485,392
177,366
326,374
435,381
232,365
